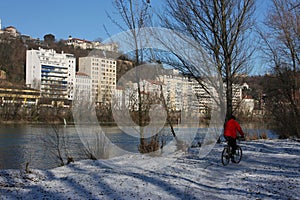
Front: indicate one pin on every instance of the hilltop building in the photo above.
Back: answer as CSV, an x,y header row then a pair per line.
x,y
105,47
10,30
79,43
85,44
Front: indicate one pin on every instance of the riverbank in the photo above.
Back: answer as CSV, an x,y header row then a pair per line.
x,y
58,122
269,170
22,143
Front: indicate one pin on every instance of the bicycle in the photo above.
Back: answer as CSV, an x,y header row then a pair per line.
x,y
227,156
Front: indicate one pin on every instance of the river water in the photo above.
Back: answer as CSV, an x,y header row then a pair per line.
x,y
36,144
20,144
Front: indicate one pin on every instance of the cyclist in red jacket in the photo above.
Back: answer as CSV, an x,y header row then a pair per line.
x,y
230,131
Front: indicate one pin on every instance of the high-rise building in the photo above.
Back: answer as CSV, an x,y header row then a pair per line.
x,y
50,72
103,74
83,88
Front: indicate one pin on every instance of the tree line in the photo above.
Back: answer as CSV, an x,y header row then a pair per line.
x,y
228,33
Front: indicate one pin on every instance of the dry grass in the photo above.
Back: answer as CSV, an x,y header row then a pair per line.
x,y
257,136
264,135
149,146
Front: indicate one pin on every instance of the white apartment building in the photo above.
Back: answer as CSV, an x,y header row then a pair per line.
x,y
83,87
120,100
103,73
237,95
127,97
177,90
50,72
205,101
180,93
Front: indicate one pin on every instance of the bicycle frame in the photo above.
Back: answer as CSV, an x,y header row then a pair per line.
x,y
227,155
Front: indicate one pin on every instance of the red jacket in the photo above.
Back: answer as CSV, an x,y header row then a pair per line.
x,y
231,128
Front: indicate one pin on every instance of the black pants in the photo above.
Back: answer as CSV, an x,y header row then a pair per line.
x,y
232,144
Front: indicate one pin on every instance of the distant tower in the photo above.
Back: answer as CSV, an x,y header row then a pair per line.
x,y
0,25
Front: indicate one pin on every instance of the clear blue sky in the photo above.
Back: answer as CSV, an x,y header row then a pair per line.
x,y
81,19
78,18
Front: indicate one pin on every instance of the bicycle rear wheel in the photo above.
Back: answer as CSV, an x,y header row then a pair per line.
x,y
225,156
238,154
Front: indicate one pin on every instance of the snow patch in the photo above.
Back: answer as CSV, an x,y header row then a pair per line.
x,y
269,170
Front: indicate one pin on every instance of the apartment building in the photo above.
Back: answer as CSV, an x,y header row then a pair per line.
x,y
176,90
205,100
103,75
83,87
50,72
180,93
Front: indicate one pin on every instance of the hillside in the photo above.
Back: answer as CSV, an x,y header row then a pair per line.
x,y
13,56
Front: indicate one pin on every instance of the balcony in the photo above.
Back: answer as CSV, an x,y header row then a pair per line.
x,y
53,67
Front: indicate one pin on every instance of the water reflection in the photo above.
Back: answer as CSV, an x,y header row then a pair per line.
x,y
26,143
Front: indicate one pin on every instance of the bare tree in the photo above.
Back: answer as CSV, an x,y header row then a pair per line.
x,y
56,142
282,50
135,16
86,118
222,28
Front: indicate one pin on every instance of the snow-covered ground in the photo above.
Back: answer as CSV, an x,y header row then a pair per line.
x,y
270,169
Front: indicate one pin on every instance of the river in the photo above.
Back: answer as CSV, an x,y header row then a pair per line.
x,y
24,143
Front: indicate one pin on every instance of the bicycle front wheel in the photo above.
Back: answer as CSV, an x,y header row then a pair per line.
x,y
225,156
238,154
